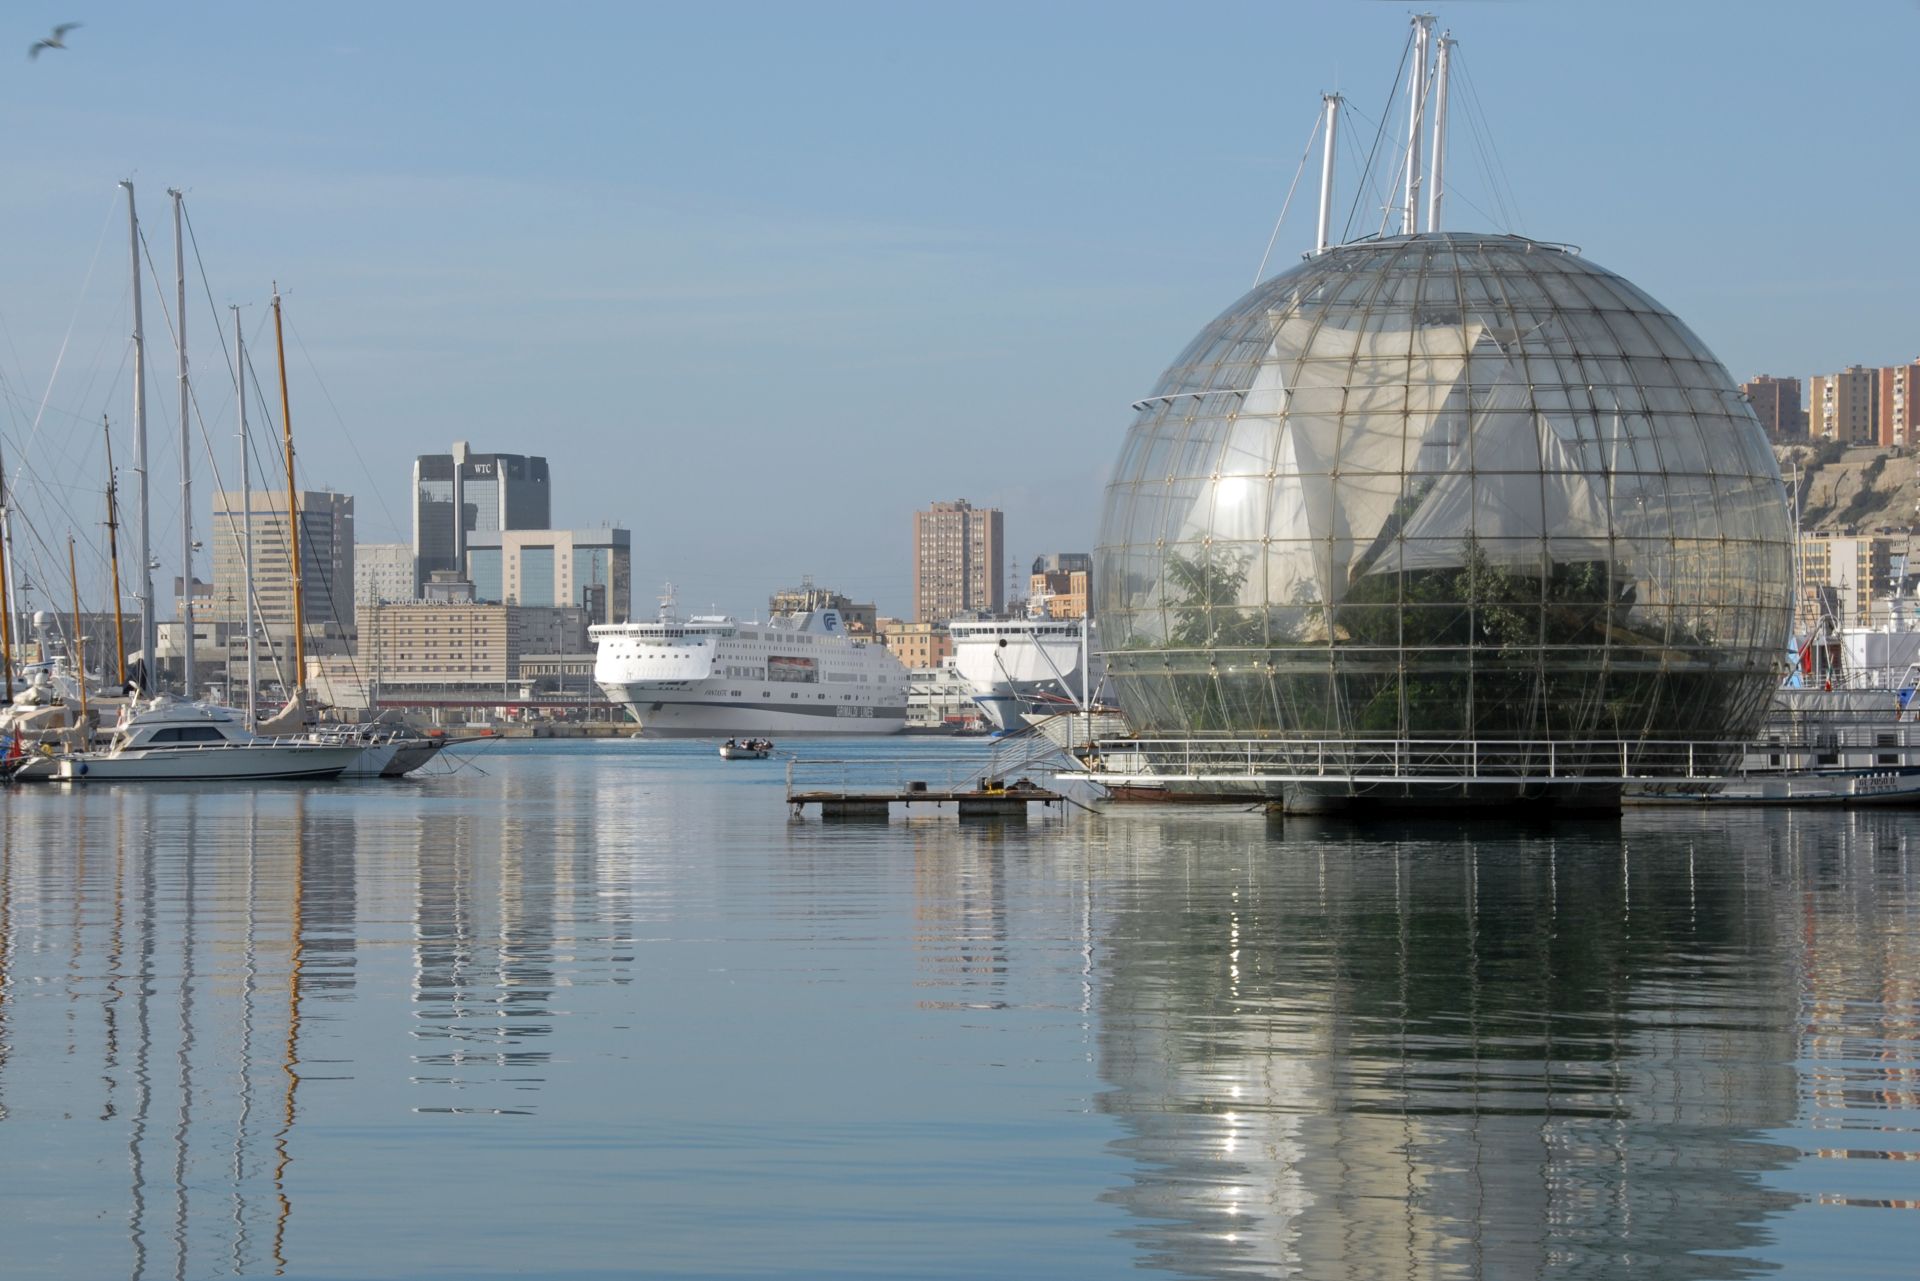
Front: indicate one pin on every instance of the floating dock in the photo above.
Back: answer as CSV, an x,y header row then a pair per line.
x,y
875,804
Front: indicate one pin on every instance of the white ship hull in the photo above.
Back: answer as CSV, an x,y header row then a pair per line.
x,y
684,713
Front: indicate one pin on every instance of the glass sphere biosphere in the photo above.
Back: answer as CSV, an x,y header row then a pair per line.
x,y
1445,486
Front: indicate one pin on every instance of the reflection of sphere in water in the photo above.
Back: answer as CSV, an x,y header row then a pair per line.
x,y
1445,486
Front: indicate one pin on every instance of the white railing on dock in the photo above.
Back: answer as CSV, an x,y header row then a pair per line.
x,y
1406,761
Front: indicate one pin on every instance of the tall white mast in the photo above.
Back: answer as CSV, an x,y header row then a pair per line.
x,y
147,638
1333,101
1436,180
186,449
12,584
246,518
1416,108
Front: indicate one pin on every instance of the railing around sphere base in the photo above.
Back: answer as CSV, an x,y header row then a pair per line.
x,y
1437,762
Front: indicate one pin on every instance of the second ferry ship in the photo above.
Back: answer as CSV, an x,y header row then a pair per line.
x,y
712,676
1024,667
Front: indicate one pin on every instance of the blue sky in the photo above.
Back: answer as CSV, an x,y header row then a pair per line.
x,y
762,279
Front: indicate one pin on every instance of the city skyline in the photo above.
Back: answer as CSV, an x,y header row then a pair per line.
x,y
969,217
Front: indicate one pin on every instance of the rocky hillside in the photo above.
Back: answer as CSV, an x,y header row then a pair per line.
x,y
1852,489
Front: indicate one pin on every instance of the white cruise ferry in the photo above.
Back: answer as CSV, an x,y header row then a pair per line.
x,y
707,677
1022,666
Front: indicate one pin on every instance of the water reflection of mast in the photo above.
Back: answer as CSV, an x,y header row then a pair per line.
x,y
143,1043
248,984
76,927
6,947
290,1064
116,953
185,1051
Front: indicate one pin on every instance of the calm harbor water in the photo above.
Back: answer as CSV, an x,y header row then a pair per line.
x,y
606,1010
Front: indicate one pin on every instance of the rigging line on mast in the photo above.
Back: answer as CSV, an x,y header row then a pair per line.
x,y
1454,193
1501,218
1260,272
1385,115
1387,207
333,597
255,614
1369,183
85,284
318,381
25,450
1507,200
205,286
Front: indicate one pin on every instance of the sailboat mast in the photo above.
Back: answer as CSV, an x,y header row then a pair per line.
x,y
9,585
113,556
140,446
186,447
293,513
79,654
6,614
246,518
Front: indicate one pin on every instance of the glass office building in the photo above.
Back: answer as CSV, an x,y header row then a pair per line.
x,y
587,568
494,492
1445,487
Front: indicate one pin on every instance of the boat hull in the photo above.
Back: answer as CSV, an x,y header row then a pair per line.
x,y
288,762
1843,788
410,754
373,760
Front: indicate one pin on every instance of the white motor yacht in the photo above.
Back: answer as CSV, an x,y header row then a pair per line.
x,y
171,740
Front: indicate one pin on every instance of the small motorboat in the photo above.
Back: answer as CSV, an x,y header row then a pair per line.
x,y
746,749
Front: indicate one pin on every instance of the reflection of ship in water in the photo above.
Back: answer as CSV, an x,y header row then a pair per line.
x,y
1448,1055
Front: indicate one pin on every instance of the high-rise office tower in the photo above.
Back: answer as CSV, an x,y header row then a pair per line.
x,y
326,560
489,492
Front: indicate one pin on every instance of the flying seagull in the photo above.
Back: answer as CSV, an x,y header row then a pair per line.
x,y
58,40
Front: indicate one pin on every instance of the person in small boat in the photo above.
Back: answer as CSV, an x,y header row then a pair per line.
x,y
728,743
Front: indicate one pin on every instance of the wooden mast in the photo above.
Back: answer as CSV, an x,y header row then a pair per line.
x,y
113,557
293,511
